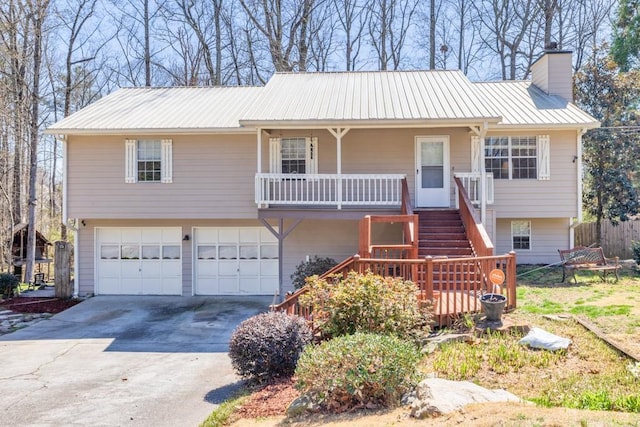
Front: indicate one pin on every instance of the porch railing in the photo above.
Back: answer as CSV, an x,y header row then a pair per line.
x,y
328,189
471,183
453,284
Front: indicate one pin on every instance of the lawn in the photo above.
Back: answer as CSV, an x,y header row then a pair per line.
x,y
589,377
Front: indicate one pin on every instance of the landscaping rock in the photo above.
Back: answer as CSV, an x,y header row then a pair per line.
x,y
436,396
301,405
506,326
434,343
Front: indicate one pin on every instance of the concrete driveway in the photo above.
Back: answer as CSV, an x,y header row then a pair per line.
x,y
123,360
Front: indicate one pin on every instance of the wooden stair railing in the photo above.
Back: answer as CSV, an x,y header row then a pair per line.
x,y
476,233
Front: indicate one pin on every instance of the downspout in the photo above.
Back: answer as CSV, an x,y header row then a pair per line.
x,y
73,225
578,160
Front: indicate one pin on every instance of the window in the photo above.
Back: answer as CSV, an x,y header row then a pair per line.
x,y
517,157
521,235
148,160
296,155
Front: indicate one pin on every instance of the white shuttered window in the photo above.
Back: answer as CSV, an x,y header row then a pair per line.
x,y
516,157
148,160
297,155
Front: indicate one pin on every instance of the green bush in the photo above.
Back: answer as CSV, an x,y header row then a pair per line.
x,y
635,247
358,370
8,284
313,267
367,303
267,346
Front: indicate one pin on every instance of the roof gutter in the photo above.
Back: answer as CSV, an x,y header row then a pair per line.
x,y
367,124
151,131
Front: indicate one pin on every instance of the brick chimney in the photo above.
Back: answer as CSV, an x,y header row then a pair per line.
x,y
552,73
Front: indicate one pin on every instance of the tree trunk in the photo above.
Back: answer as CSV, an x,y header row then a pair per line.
x,y
38,17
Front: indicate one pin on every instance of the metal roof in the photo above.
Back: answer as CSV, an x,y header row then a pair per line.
x,y
368,96
162,109
520,103
365,99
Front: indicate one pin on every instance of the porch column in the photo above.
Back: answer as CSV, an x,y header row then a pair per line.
x,y
280,234
338,133
259,156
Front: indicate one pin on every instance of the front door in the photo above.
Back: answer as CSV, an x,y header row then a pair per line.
x,y
432,171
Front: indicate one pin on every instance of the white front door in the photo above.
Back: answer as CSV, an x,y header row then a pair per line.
x,y
432,171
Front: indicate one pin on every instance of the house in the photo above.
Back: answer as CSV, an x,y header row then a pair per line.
x,y
216,190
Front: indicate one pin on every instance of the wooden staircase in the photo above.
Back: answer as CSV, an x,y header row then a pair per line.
x,y
441,233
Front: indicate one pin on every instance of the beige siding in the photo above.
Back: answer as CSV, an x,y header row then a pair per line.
x,y
213,177
557,197
547,236
326,238
540,73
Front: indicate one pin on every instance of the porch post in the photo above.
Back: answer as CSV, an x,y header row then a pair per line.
x,y
280,234
338,133
259,156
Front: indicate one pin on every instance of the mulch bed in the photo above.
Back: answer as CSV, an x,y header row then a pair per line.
x,y
37,305
271,400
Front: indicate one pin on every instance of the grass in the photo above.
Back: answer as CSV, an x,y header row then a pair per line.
x,y
222,414
589,375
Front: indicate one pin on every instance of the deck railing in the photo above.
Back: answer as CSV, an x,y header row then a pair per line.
x,y
471,183
453,284
328,189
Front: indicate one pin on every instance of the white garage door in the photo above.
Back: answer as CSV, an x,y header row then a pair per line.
x,y
234,261
139,261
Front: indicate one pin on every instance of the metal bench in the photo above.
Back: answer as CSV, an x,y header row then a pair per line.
x,y
592,259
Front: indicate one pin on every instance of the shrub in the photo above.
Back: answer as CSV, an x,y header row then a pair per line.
x,y
267,346
315,266
358,370
8,284
367,303
635,247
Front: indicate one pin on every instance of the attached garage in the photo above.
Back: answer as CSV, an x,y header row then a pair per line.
x,y
235,261
139,261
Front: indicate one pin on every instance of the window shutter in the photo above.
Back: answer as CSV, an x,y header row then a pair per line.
x,y
544,161
275,158
130,163
166,161
312,155
476,167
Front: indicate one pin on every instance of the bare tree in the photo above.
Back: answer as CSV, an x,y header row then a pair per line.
x,y
509,25
389,24
37,13
285,26
351,17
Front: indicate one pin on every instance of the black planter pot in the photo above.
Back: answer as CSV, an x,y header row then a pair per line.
x,y
493,306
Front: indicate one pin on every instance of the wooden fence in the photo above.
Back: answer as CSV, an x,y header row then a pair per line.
x,y
616,239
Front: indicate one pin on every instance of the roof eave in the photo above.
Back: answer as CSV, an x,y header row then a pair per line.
x,y
368,124
150,131
553,126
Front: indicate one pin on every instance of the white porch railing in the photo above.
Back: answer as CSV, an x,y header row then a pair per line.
x,y
328,189
471,183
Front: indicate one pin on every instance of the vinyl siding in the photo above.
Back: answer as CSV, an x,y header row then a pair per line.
x,y
213,177
553,198
325,238
547,236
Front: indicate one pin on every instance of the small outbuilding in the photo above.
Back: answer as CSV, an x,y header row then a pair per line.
x,y
19,252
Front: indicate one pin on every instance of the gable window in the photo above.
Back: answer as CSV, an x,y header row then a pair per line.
x,y
148,160
521,235
297,155
517,157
